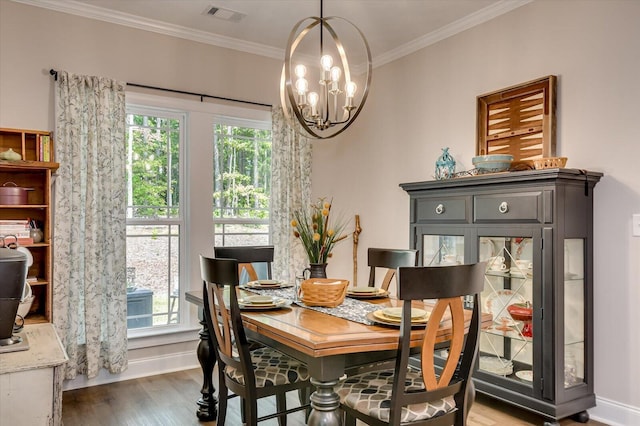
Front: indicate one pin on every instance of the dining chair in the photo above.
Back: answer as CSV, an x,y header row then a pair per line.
x,y
249,258
388,260
427,394
249,374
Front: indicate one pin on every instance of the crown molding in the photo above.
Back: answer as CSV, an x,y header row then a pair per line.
x,y
469,21
133,21
160,27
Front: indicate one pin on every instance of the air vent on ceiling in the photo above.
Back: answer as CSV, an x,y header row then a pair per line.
x,y
224,14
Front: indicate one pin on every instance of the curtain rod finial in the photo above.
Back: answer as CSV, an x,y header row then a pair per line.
x,y
54,73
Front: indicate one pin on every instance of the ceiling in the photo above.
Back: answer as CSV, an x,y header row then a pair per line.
x,y
393,28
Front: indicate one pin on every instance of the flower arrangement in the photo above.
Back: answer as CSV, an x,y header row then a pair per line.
x,y
316,233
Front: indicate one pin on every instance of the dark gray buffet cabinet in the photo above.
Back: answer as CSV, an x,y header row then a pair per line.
x,y
535,231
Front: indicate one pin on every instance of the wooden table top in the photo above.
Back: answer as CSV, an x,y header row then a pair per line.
x,y
317,334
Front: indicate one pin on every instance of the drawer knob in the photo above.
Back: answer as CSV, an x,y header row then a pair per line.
x,y
503,207
439,209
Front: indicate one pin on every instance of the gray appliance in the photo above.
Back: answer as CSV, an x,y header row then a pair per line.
x,y
12,278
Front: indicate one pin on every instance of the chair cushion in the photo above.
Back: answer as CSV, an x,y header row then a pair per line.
x,y
271,368
370,393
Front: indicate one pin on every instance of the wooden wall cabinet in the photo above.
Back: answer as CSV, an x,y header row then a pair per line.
x,y
535,231
30,173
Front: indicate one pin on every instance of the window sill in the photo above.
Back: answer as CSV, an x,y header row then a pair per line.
x,y
159,336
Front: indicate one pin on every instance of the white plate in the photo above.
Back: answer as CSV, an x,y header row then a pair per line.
x,y
379,317
396,313
363,289
526,375
264,283
497,304
379,294
277,304
258,300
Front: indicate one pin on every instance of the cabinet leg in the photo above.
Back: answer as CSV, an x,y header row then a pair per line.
x,y
207,404
581,417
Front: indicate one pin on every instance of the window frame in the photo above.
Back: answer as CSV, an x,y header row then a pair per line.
x,y
179,221
197,181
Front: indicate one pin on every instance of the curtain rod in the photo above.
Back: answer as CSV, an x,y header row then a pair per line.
x,y
54,73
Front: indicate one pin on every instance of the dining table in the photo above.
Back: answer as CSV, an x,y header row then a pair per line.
x,y
328,340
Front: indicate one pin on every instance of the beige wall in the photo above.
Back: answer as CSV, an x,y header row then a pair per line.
x,y
426,101
417,105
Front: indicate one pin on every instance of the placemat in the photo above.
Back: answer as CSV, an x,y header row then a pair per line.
x,y
351,309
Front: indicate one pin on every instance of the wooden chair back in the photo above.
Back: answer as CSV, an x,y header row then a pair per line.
x,y
448,285
246,257
389,259
222,313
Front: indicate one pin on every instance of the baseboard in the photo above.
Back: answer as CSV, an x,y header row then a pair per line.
x,y
614,413
137,368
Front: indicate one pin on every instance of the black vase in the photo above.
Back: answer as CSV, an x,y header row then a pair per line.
x,y
316,270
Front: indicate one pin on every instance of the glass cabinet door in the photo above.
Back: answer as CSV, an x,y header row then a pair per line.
x,y
574,314
506,345
441,250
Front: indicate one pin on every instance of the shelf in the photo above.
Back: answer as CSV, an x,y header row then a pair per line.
x,y
36,175
24,206
511,334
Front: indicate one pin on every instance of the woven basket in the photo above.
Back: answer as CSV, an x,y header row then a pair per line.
x,y
549,163
327,292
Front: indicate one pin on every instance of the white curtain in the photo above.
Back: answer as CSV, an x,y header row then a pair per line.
x,y
89,261
290,190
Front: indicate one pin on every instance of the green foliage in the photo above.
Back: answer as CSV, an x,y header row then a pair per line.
x,y
242,172
153,166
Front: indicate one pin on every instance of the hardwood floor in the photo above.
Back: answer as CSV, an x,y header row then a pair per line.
x,y
170,400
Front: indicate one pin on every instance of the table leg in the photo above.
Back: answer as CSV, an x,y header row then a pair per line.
x,y
207,404
325,404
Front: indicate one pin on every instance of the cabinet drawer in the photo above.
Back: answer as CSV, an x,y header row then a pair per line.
x,y
441,210
509,207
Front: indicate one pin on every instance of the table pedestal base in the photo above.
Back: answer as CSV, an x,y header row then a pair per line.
x,y
207,404
325,404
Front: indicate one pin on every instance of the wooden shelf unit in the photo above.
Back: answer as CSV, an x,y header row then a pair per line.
x,y
30,173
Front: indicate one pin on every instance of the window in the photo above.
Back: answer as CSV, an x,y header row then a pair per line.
x,y
154,216
170,186
241,182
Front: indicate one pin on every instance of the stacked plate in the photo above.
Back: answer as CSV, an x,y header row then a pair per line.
x,y
262,302
266,284
393,316
366,292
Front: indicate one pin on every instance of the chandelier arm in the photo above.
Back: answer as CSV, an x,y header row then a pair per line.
x,y
286,85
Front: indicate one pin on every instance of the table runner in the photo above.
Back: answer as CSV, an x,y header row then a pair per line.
x,y
351,309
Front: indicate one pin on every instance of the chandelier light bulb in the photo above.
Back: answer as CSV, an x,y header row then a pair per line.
x,y
350,88
326,61
336,73
300,71
313,101
302,85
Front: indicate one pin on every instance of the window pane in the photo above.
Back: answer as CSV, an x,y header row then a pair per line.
x,y
242,184
153,167
153,220
153,268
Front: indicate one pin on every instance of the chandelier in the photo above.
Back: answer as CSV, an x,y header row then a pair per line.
x,y
324,99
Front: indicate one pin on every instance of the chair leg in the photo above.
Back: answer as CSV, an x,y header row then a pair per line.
x,y
281,406
223,396
250,412
349,420
304,395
